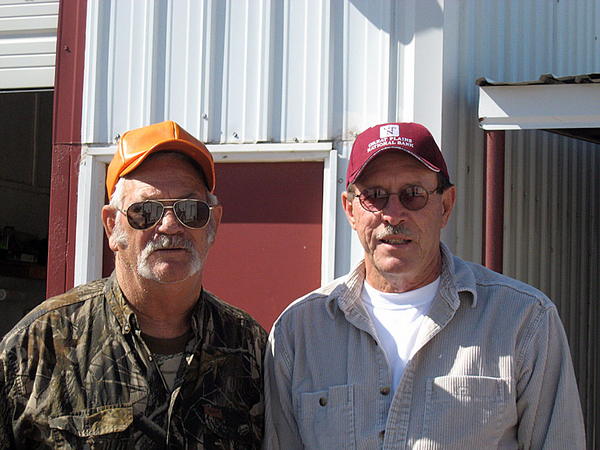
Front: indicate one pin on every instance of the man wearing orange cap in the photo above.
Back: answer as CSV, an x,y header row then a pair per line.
x,y
145,358
416,348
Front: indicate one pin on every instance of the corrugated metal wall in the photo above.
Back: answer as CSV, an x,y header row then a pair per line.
x,y
27,43
257,71
552,228
552,217
234,71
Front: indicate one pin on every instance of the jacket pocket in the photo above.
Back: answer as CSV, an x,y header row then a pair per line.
x,y
326,418
101,427
463,411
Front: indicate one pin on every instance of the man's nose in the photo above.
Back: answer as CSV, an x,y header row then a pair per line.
x,y
394,211
169,224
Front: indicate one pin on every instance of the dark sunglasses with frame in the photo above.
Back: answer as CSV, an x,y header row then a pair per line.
x,y
412,198
191,213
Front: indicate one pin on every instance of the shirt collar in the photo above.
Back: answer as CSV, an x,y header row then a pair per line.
x,y
353,286
116,300
456,277
125,315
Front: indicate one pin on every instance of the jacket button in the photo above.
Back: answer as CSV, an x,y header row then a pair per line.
x,y
382,434
384,390
322,401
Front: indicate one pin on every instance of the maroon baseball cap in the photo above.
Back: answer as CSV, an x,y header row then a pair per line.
x,y
410,137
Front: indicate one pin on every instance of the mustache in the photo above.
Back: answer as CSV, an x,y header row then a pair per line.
x,y
163,242
392,230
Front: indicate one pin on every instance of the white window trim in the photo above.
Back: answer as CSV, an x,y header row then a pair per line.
x,y
91,189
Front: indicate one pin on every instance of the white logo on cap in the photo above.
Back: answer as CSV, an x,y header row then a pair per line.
x,y
389,131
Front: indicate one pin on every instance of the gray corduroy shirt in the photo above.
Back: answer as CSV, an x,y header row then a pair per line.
x,y
492,369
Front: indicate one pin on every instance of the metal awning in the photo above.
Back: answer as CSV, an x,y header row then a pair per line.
x,y
565,105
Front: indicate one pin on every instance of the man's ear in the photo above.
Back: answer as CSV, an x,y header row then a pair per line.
x,y
347,202
448,200
108,220
217,214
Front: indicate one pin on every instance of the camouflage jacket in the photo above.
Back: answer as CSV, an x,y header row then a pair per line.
x,y
75,373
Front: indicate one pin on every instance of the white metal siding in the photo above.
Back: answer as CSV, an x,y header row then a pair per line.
x,y
261,71
27,43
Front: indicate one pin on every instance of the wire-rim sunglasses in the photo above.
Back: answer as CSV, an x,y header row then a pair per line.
x,y
190,213
412,198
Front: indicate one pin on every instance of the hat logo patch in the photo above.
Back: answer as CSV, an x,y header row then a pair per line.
x,y
389,131
389,135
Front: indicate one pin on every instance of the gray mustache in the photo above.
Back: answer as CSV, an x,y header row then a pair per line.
x,y
162,242
391,230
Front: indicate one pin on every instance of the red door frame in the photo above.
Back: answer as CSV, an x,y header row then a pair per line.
x,y
66,144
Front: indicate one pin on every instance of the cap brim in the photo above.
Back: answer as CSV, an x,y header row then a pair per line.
x,y
385,149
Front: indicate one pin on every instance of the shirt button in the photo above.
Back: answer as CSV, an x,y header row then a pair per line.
x,y
322,401
384,390
382,434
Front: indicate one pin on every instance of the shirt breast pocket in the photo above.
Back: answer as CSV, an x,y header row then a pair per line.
x,y
101,427
466,410
326,418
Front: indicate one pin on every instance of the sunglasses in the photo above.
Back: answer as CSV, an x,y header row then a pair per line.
x,y
190,213
411,197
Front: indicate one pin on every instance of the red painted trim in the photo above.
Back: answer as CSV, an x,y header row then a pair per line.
x,y
66,148
493,222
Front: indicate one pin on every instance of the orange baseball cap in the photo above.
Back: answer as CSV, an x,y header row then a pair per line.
x,y
136,145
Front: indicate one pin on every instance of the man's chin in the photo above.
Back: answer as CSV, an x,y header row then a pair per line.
x,y
169,274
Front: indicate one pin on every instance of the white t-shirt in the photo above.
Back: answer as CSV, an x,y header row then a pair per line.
x,y
397,319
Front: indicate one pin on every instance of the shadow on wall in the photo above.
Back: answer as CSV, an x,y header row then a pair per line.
x,y
428,15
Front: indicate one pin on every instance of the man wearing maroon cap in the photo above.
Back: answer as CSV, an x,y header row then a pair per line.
x,y
416,348
146,358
